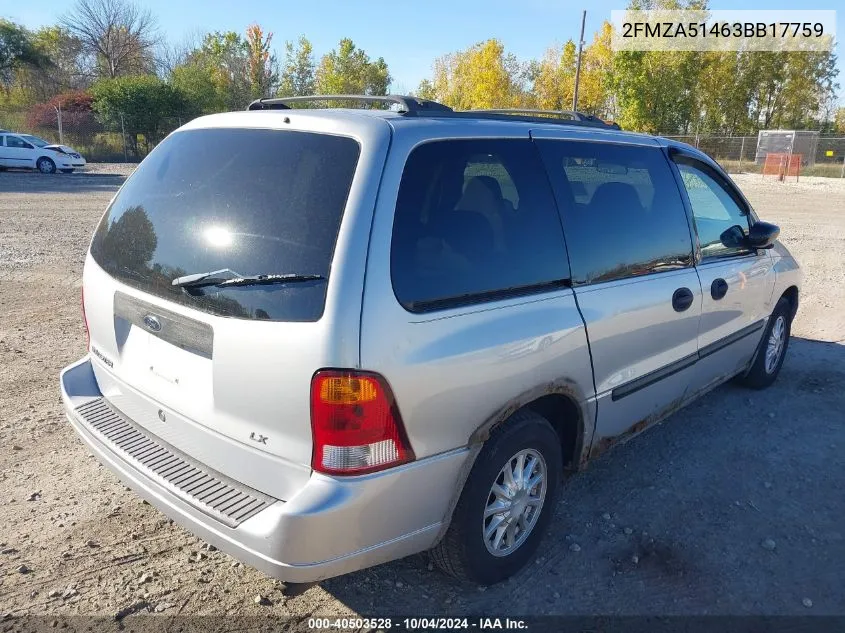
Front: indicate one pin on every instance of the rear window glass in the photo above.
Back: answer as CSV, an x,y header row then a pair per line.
x,y
252,201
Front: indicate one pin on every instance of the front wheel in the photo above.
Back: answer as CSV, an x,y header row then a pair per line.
x,y
772,350
46,165
506,503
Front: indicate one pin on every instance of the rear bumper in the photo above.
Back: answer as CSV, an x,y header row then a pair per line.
x,y
331,526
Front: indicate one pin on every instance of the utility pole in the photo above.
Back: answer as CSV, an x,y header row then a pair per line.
x,y
58,110
578,63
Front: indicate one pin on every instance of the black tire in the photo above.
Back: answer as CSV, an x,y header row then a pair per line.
x,y
462,552
763,373
45,165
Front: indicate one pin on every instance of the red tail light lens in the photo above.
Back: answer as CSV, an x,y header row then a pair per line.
x,y
355,424
85,322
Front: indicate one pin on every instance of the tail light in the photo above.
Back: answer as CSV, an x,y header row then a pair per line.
x,y
356,424
85,322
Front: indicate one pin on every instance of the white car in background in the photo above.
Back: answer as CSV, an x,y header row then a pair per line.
x,y
26,151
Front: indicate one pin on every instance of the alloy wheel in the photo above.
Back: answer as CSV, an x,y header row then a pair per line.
x,y
514,502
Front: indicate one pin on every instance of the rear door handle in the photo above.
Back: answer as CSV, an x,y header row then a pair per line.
x,y
719,288
682,299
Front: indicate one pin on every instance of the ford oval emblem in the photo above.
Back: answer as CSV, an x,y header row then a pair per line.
x,y
152,323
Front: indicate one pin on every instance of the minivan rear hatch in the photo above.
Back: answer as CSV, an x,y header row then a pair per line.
x,y
244,221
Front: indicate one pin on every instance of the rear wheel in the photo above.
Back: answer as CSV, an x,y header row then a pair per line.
x,y
46,165
506,503
773,347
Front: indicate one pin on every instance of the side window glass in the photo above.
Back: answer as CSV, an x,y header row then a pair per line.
x,y
14,141
719,219
623,215
475,220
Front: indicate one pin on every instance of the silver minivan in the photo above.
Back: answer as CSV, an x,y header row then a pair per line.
x,y
323,339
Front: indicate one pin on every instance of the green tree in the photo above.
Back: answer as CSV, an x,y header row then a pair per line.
x,y
201,95
790,88
348,70
17,50
426,90
299,71
724,91
140,105
224,56
65,71
655,90
810,83
130,241
226,71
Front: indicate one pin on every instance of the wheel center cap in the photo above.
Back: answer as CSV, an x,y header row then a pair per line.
x,y
519,504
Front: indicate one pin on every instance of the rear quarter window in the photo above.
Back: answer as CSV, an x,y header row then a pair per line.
x,y
254,201
475,221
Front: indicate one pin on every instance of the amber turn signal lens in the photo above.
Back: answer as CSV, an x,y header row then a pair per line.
x,y
348,390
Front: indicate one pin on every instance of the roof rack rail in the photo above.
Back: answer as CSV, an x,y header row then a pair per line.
x,y
563,116
414,106
575,116
408,105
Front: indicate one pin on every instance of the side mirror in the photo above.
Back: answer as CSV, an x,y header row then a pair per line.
x,y
733,237
762,235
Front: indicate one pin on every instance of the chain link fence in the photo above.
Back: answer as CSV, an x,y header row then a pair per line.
x,y
115,142
738,154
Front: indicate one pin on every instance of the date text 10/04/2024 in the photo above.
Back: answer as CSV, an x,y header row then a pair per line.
x,y
418,624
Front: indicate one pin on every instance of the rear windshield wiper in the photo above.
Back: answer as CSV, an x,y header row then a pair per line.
x,y
199,280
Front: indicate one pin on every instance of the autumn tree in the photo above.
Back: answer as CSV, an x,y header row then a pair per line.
x,y
119,36
482,76
595,93
554,78
77,111
261,64
839,121
298,76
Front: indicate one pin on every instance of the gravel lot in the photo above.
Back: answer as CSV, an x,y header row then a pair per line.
x,y
733,506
